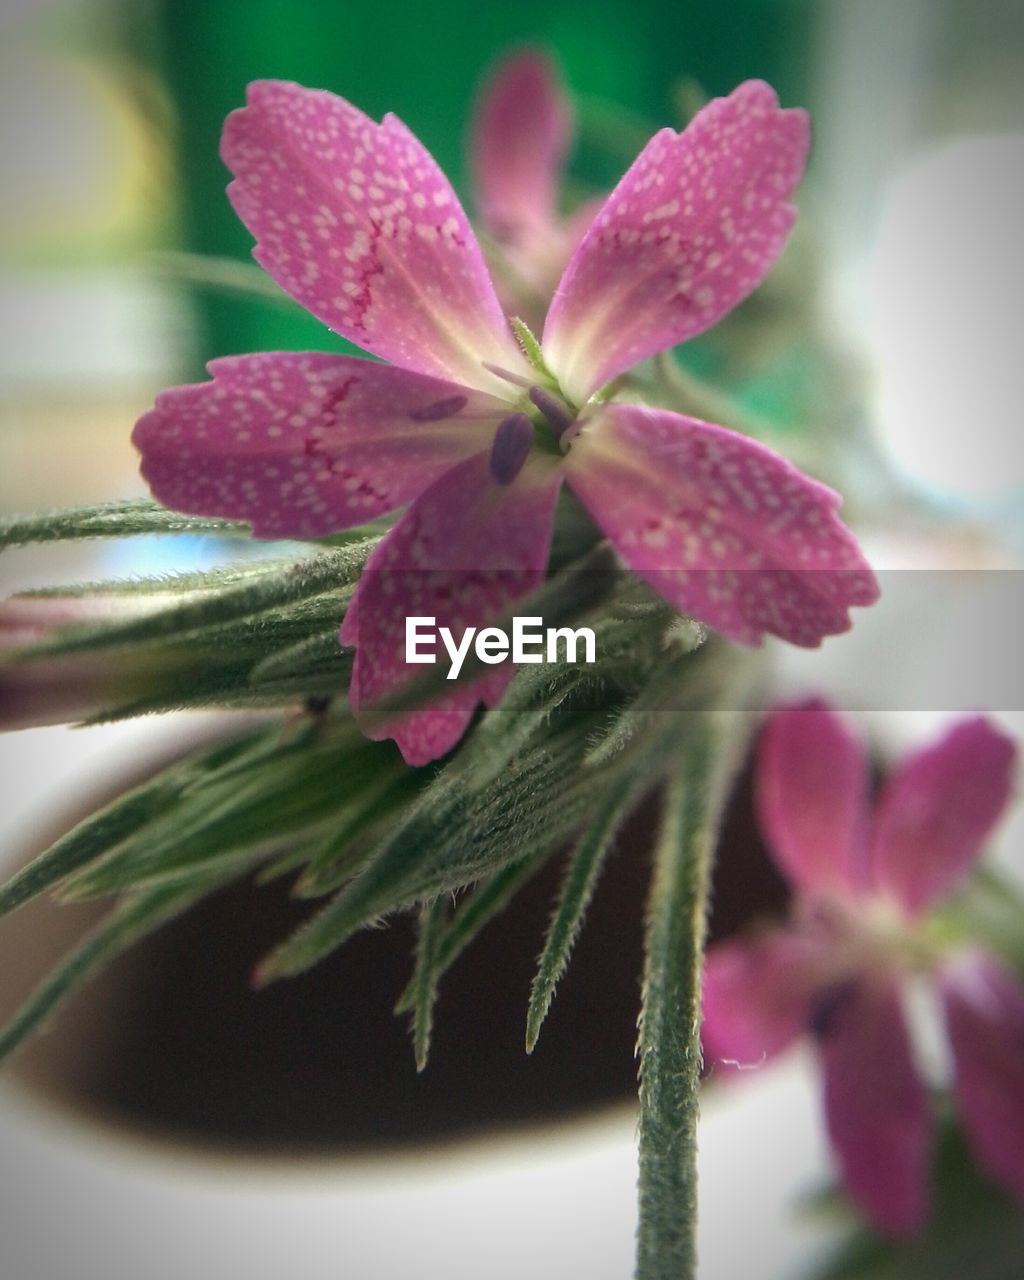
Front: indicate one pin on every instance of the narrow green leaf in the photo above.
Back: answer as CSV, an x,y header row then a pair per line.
x,y
127,924
327,572
288,862
661,689
114,823
372,529
212,686
497,742
279,798
165,583
383,798
585,865
538,692
459,832
269,742
489,899
424,980
307,654
110,520
508,734
450,839
327,675
668,1046
620,732
217,667
89,841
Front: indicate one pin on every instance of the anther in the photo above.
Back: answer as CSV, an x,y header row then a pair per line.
x,y
557,412
511,445
439,409
829,1007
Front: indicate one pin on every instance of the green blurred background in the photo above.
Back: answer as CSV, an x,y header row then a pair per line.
x,y
110,117
424,63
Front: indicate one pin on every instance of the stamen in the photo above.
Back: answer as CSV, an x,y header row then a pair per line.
x,y
511,445
828,1006
557,412
439,409
516,379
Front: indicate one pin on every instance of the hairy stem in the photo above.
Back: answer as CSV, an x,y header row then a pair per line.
x,y
668,1046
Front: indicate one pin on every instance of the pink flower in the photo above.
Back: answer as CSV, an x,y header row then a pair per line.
x,y
356,222
60,687
864,882
521,132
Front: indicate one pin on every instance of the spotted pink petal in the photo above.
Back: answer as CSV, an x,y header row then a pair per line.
x,y
689,232
579,222
759,995
356,221
723,528
984,1008
528,266
876,1106
938,809
462,554
302,444
812,796
520,136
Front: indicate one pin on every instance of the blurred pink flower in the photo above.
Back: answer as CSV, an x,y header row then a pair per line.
x,y
355,220
61,687
864,881
521,131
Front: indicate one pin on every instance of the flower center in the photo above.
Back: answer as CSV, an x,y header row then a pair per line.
x,y
556,412
877,936
511,446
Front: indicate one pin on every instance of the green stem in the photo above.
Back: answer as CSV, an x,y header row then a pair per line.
x,y
668,1047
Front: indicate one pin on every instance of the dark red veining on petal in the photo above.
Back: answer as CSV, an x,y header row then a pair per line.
x,y
363,299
